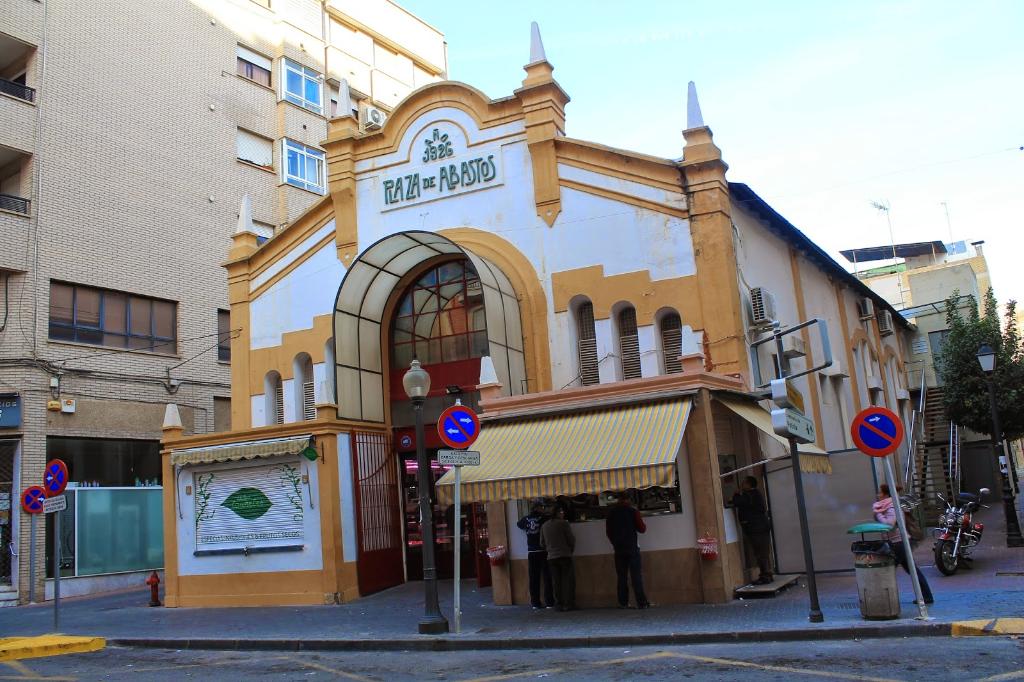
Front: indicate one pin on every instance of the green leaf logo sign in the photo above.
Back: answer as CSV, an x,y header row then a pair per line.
x,y
249,503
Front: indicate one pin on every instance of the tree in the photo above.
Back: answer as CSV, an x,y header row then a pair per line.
x,y
965,391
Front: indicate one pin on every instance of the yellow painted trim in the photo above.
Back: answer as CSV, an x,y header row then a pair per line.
x,y
275,588
848,345
286,241
625,198
262,289
312,341
17,648
170,511
533,309
805,335
619,163
988,626
645,295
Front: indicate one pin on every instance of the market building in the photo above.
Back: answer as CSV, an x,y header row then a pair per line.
x,y
596,306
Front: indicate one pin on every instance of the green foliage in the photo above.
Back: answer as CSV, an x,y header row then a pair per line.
x,y
966,391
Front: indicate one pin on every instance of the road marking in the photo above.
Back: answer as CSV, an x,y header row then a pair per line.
x,y
1012,675
13,648
512,676
324,668
239,659
988,626
25,673
782,668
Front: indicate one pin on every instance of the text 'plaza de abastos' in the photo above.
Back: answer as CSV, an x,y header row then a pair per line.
x,y
594,305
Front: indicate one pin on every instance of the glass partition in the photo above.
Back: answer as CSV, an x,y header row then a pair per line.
x,y
118,530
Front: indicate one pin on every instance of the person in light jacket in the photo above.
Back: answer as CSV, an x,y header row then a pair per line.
x,y
885,512
556,537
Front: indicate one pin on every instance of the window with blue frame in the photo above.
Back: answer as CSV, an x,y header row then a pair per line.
x,y
303,86
304,166
112,318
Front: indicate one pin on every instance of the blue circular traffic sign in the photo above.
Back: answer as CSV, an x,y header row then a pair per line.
x,y
877,431
55,477
458,427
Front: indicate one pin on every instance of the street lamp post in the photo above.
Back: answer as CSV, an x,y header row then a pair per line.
x,y
987,360
417,384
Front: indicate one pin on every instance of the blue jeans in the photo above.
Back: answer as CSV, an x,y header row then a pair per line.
x,y
627,565
899,551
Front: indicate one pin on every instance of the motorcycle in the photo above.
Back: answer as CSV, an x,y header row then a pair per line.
x,y
957,533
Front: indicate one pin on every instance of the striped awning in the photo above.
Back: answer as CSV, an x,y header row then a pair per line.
x,y
813,460
617,448
232,452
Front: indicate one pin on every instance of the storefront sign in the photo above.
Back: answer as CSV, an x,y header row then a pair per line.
x,y
257,506
441,173
10,410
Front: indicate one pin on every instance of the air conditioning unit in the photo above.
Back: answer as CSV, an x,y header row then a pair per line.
x,y
866,308
373,118
762,307
793,347
885,322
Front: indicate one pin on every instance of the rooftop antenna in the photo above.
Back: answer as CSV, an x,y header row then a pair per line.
x,y
949,224
884,206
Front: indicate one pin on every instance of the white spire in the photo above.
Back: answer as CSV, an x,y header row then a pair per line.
x,y
694,119
245,216
487,374
172,418
344,100
536,45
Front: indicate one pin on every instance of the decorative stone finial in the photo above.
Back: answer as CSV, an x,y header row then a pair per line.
x,y
536,45
694,119
245,216
172,418
487,373
344,100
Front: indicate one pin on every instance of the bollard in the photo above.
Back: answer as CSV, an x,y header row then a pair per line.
x,y
154,589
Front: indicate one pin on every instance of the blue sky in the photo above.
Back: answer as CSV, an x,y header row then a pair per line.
x,y
821,107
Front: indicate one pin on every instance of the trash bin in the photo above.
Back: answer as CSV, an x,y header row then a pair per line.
x,y
875,566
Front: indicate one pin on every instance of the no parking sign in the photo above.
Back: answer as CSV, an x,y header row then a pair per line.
x,y
877,431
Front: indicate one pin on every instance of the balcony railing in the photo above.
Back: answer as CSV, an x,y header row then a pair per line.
x,y
17,90
9,202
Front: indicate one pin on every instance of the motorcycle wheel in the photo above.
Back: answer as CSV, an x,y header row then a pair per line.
x,y
945,560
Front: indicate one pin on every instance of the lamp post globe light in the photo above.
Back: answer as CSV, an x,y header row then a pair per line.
x,y
987,360
416,382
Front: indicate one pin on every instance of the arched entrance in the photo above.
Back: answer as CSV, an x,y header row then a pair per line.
x,y
416,294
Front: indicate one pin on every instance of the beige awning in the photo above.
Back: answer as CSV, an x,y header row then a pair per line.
x,y
813,460
232,452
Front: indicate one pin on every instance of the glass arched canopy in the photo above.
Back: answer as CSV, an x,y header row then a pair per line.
x,y
370,283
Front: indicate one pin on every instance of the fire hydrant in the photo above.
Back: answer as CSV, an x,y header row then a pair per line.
x,y
154,589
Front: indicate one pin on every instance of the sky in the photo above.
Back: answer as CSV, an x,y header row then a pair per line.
x,y
821,107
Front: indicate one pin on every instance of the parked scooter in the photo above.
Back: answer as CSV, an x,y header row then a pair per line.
x,y
957,533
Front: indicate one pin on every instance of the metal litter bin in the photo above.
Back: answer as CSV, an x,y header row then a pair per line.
x,y
875,566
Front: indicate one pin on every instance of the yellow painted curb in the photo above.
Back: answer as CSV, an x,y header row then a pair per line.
x,y
13,648
989,626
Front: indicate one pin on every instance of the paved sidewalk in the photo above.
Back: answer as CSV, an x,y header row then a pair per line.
x,y
994,588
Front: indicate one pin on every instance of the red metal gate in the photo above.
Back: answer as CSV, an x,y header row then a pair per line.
x,y
380,562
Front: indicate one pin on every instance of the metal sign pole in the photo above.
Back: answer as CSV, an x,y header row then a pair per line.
x,y
32,559
457,539
56,572
908,551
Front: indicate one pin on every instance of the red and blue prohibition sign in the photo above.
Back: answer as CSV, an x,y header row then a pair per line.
x,y
877,431
32,499
55,478
458,427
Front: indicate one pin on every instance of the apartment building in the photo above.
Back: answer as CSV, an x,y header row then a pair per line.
x,y
132,130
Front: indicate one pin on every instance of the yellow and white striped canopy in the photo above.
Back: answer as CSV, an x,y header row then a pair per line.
x,y
616,448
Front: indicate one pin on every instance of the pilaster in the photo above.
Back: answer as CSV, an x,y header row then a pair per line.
x,y
543,102
341,183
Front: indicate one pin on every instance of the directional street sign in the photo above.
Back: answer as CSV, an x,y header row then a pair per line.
x,y
32,499
877,431
789,423
460,458
55,477
785,394
55,504
458,427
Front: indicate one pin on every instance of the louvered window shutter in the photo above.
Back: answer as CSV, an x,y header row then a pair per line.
x,y
587,345
308,401
278,404
255,149
672,343
629,344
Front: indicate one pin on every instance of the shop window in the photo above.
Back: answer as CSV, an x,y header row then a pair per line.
x,y
273,395
224,336
441,318
590,507
302,86
112,318
98,462
629,344
671,343
303,166
587,344
253,66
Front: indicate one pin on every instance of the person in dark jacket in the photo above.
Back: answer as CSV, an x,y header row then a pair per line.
x,y
557,538
621,527
756,525
537,557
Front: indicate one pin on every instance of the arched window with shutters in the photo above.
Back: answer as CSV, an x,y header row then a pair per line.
x,y
305,396
670,329
586,349
273,395
629,343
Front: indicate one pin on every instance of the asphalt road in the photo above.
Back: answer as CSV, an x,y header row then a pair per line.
x,y
931,658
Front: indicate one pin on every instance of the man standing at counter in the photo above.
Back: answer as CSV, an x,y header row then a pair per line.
x,y
537,557
621,527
